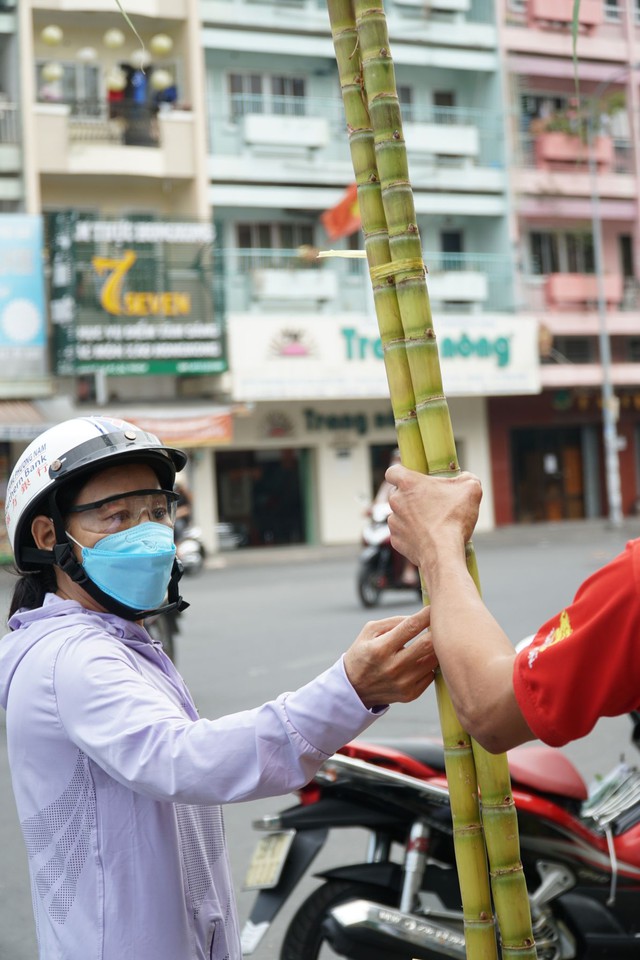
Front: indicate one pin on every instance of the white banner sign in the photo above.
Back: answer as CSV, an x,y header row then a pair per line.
x,y
315,356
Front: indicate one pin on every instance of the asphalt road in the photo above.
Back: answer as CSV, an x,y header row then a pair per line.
x,y
266,621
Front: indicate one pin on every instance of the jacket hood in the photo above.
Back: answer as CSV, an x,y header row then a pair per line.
x,y
28,627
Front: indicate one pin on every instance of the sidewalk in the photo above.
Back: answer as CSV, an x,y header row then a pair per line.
x,y
593,534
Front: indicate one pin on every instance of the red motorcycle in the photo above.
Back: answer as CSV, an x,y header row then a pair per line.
x,y
580,854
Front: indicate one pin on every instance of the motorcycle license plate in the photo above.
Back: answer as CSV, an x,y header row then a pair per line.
x,y
268,859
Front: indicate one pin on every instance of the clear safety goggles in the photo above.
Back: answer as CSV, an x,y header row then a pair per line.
x,y
124,510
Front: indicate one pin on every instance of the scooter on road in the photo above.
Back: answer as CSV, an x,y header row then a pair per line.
x,y
380,567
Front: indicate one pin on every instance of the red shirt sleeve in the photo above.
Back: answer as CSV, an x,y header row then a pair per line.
x,y
585,663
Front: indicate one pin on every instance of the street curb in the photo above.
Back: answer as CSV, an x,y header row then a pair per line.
x,y
592,533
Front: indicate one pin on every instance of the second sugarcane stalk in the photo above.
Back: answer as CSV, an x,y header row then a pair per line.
x,y
426,443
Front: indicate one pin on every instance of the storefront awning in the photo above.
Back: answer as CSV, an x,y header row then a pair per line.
x,y
25,419
181,428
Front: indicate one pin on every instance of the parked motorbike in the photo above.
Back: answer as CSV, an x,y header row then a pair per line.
x,y
380,567
190,549
580,854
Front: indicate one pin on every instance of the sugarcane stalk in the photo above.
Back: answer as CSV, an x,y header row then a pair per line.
x,y
374,225
499,818
365,66
467,823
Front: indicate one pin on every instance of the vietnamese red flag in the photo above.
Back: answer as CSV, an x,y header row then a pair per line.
x,y
343,219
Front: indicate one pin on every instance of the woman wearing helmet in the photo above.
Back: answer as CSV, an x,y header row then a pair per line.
x,y
117,779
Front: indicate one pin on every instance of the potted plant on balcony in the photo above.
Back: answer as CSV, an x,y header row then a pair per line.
x,y
562,137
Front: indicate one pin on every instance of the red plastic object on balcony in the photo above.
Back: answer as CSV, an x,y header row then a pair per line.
x,y
559,151
541,12
571,291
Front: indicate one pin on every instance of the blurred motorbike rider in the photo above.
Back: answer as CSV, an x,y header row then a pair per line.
x,y
116,778
381,508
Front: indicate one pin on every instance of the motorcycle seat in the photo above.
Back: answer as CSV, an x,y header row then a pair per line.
x,y
535,766
547,771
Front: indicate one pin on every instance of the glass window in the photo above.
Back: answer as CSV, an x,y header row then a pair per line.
x,y
579,253
245,94
544,253
79,86
405,97
626,254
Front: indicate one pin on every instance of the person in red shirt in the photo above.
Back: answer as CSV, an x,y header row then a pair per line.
x,y
583,664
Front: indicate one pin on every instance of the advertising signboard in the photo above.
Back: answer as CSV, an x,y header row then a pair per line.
x,y
341,356
133,297
23,351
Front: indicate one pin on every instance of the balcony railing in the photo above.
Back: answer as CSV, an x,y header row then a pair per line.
x,y
456,136
9,123
537,152
98,121
291,279
468,11
604,18
578,293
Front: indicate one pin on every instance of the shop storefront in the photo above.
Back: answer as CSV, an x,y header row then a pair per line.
x,y
317,431
547,455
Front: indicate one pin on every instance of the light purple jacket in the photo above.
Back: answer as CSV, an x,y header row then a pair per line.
x,y
118,781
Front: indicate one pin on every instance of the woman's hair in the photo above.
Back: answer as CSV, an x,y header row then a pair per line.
x,y
31,588
29,592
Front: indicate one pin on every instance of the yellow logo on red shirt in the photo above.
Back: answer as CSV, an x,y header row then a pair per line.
x,y
555,635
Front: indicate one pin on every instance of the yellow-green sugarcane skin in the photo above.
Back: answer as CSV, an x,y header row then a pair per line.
x,y
470,851
508,882
404,245
408,277
437,432
362,147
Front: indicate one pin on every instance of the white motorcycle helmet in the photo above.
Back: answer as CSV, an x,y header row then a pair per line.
x,y
68,454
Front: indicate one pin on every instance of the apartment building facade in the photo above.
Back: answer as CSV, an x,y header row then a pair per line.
x,y
547,450
180,188
305,355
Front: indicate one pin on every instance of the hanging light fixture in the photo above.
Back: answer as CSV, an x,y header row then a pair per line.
x,y
87,54
161,44
52,71
161,80
140,58
52,35
116,79
113,38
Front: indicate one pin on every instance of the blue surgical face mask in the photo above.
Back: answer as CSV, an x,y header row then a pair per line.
x,y
133,566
